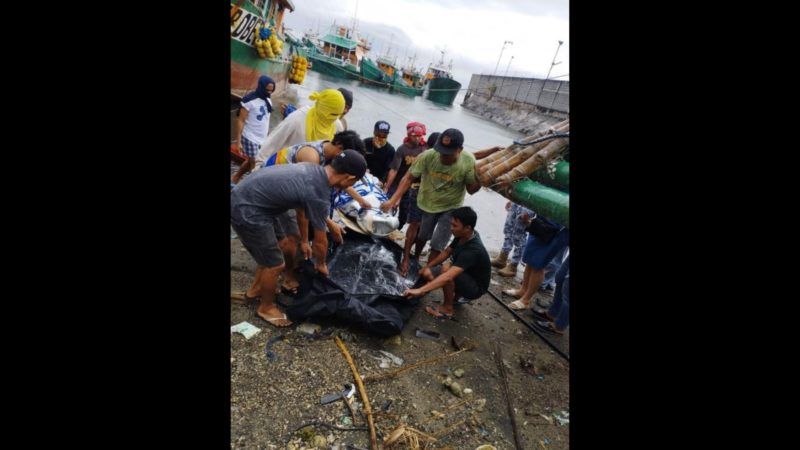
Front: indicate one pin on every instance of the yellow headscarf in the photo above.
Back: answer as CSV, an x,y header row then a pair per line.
x,y
320,118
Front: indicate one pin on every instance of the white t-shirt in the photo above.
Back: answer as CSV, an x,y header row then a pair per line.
x,y
257,123
290,132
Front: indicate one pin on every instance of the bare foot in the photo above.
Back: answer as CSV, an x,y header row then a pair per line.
x,y
273,316
403,269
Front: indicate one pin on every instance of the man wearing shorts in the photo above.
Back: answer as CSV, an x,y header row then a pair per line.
x,y
445,174
279,201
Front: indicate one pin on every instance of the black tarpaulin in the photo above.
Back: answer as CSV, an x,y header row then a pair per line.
x,y
363,288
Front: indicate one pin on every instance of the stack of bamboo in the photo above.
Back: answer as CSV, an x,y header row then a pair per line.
x,y
520,160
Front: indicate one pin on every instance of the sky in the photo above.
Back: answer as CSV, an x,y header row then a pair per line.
x,y
471,32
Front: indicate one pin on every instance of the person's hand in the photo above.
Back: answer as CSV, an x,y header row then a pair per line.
x,y
364,203
236,178
306,249
322,268
525,218
508,206
413,293
387,206
337,232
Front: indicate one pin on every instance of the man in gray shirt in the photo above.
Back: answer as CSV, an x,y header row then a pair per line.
x,y
261,207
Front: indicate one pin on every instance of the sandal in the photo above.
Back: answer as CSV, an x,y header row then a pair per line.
x,y
517,305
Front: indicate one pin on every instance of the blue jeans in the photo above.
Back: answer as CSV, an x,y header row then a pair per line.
x,y
552,269
560,307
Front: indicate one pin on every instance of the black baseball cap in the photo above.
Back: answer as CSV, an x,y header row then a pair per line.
x,y
350,162
382,126
449,141
348,97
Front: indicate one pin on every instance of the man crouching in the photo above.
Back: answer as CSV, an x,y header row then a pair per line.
x,y
468,272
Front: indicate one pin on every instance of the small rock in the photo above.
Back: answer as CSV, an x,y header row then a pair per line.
x,y
468,391
395,340
320,442
458,373
309,328
481,403
455,388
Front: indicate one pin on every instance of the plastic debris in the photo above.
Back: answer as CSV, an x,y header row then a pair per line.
x,y
432,335
397,361
309,328
246,329
562,418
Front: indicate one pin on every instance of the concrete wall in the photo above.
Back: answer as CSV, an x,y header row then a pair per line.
x,y
526,105
548,96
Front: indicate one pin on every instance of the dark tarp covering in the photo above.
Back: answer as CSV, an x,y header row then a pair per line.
x,y
363,288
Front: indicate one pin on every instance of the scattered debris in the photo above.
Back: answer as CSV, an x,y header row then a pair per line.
x,y
458,373
309,328
432,335
468,391
268,348
246,329
395,340
562,418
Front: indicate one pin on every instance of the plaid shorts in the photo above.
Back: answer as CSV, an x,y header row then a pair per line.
x,y
250,148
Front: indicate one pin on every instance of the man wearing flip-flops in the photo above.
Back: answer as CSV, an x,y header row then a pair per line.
x,y
468,272
259,215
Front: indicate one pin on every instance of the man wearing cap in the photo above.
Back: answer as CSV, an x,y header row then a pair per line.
x,y
378,152
259,207
445,173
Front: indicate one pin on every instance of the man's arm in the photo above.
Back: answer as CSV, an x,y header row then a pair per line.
x,y
475,184
320,249
240,126
436,283
307,154
273,142
405,183
351,191
394,166
439,258
336,231
302,223
389,180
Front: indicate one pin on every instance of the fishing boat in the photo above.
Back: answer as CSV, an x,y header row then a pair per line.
x,y
382,71
411,82
246,64
339,53
442,88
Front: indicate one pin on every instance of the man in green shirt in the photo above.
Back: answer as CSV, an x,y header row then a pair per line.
x,y
467,274
446,173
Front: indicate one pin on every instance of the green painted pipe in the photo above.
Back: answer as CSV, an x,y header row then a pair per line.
x,y
546,201
561,179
